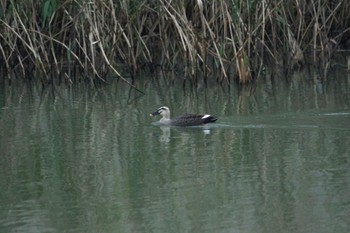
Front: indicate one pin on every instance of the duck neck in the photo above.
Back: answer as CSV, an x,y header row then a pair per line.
x,y
165,118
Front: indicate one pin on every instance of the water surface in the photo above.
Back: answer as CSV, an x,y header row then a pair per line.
x,y
78,159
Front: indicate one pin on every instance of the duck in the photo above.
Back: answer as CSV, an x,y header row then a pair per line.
x,y
183,120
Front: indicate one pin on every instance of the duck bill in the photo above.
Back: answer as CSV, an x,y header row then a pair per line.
x,y
155,113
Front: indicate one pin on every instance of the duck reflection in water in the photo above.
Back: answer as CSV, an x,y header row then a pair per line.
x,y
166,131
165,137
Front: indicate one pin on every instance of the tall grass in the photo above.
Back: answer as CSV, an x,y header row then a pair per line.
x,y
60,39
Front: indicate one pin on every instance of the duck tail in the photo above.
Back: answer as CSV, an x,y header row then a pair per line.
x,y
209,119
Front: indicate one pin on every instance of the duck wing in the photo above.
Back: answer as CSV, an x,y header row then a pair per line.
x,y
193,120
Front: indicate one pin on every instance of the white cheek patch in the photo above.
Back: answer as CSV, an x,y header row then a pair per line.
x,y
205,116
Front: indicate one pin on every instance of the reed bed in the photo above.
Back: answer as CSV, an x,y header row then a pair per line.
x,y
89,40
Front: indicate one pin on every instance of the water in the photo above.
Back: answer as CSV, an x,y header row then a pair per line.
x,y
91,160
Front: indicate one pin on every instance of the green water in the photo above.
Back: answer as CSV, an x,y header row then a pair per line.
x,y
78,159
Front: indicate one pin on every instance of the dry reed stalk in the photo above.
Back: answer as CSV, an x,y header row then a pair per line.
x,y
296,53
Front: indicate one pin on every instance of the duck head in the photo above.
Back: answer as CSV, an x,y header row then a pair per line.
x,y
163,111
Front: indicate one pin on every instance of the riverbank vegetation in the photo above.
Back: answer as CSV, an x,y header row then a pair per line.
x,y
88,40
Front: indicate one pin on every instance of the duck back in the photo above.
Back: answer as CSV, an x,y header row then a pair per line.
x,y
192,120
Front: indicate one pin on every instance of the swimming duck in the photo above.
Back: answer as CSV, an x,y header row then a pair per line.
x,y
183,120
